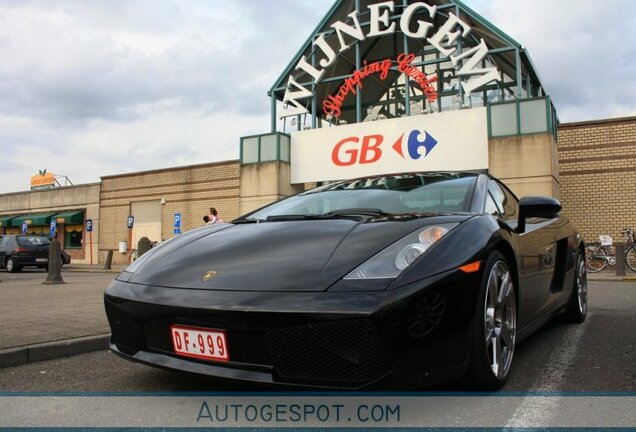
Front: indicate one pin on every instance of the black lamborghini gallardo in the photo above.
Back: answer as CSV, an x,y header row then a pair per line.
x,y
411,278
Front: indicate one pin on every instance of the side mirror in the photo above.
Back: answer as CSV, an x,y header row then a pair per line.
x,y
537,206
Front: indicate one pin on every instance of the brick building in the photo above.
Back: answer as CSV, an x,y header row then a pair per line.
x,y
478,95
598,175
154,197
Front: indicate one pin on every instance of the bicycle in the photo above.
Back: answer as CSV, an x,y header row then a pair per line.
x,y
597,257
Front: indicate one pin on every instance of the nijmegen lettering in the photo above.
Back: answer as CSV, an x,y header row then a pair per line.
x,y
444,40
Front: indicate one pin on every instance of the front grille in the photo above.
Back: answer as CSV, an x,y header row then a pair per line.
x,y
347,352
126,332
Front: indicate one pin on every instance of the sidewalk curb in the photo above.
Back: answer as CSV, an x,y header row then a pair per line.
x,y
93,271
51,350
613,278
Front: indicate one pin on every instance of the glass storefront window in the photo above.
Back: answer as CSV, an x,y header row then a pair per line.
x,y
284,148
250,150
268,148
533,116
504,119
73,237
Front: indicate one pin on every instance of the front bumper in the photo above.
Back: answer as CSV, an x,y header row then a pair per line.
x,y
418,333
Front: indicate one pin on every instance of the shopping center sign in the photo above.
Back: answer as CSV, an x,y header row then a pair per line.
x,y
468,64
450,141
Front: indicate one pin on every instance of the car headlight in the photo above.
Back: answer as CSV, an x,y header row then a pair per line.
x,y
391,261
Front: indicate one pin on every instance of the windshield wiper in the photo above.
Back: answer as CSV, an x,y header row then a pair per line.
x,y
293,217
336,214
247,220
356,212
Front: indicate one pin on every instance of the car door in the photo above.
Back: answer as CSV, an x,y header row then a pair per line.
x,y
537,248
4,241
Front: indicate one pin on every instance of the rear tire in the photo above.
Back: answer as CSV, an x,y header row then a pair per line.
x,y
630,258
494,326
595,265
11,266
576,309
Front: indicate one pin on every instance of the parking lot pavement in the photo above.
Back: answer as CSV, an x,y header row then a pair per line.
x,y
44,321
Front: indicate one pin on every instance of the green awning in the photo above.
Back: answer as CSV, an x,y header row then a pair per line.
x,y
33,219
70,217
5,221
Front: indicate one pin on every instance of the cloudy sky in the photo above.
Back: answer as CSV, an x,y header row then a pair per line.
x,y
92,88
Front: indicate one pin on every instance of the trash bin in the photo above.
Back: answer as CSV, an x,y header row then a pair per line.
x,y
123,247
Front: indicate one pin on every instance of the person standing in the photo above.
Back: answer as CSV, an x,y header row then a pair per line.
x,y
214,216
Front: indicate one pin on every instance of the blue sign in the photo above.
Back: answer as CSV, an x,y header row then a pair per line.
x,y
89,225
53,228
24,228
177,220
177,231
131,222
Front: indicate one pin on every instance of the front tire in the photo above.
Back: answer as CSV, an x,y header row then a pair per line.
x,y
494,326
576,309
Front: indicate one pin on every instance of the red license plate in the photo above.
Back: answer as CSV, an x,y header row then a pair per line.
x,y
201,343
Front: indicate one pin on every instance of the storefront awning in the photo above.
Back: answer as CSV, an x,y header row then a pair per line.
x,y
5,221
33,219
70,217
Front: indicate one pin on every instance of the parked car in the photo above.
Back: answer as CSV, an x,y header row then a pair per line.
x,y
19,251
416,278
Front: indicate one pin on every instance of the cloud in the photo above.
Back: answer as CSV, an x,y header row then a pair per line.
x,y
98,88
106,87
582,50
77,61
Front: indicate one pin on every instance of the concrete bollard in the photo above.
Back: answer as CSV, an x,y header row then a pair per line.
x,y
54,276
109,260
143,246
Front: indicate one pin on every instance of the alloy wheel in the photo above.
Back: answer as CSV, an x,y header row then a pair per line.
x,y
500,320
581,286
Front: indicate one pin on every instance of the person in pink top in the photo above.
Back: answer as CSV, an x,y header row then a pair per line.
x,y
214,216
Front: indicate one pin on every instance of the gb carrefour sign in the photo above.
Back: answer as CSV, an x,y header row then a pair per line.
x,y
451,141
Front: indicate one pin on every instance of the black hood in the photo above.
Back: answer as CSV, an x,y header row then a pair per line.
x,y
306,255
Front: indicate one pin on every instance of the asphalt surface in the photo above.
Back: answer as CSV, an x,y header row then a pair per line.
x,y
32,313
596,356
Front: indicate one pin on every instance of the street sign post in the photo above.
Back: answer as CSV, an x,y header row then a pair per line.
x,y
131,224
53,229
89,230
177,223
23,228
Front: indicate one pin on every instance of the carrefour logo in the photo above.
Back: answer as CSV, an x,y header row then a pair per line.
x,y
369,148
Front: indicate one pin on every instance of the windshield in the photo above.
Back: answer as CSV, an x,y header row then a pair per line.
x,y
398,194
33,241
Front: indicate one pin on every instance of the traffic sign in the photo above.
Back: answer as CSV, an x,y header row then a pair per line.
x,y
89,225
24,228
177,220
131,222
53,228
177,231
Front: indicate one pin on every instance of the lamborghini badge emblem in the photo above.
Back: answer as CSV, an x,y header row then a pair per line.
x,y
209,275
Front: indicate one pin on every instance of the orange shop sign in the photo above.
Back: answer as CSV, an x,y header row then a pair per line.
x,y
43,180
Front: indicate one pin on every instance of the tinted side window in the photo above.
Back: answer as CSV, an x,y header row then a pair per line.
x,y
505,201
511,206
491,206
3,242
